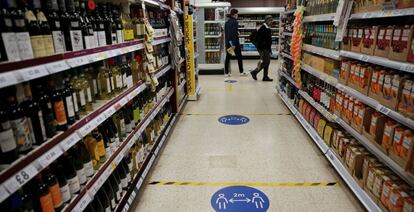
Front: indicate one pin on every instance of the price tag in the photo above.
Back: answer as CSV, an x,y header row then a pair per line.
x,y
364,58
129,200
3,194
68,142
90,58
57,66
331,156
145,172
83,203
108,171
50,156
110,111
77,61
133,194
156,150
383,109
20,178
102,55
139,184
340,87
124,50
407,68
99,119
151,161
111,53
113,166
33,72
8,78
119,157
85,130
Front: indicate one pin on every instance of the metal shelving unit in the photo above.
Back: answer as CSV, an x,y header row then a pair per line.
x,y
322,51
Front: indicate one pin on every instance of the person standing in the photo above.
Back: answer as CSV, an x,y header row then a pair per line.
x,y
264,43
231,29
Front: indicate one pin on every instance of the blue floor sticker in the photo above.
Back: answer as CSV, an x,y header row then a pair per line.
x,y
230,81
240,199
233,120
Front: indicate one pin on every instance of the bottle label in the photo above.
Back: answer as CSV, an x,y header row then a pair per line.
x,y
56,195
128,176
59,41
38,46
108,209
117,141
7,142
89,44
113,87
113,145
125,80
120,38
113,203
119,81
89,94
24,45
48,42
124,182
128,127
57,24
118,193
82,98
95,38
100,148
50,125
65,191
113,36
74,24
75,102
76,40
42,125
122,126
108,85
74,185
23,133
60,114
101,38
10,45
95,86
88,169
108,151
81,175
69,106
46,203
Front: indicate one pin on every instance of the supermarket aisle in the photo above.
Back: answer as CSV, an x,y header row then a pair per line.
x,y
271,148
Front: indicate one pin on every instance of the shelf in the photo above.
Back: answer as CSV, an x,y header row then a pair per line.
x,y
181,86
289,11
212,36
322,51
80,202
153,3
207,66
261,20
182,103
248,28
319,18
212,50
361,97
287,34
402,66
161,40
285,55
325,113
39,158
214,22
383,14
289,78
363,197
250,53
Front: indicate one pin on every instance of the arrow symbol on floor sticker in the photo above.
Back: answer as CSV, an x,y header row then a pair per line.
x,y
247,200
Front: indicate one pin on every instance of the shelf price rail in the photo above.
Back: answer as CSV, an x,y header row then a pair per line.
x,y
80,202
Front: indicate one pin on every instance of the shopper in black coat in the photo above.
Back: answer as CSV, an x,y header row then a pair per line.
x,y
264,43
231,29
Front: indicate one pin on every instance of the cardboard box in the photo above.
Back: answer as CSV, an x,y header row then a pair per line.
x,y
364,81
384,36
405,4
346,41
359,115
388,136
403,142
344,72
393,86
406,100
369,40
339,97
374,126
400,43
356,39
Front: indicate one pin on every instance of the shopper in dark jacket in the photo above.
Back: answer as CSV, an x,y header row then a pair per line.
x,y
231,29
264,43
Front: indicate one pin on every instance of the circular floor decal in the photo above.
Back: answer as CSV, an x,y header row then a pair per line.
x,y
233,120
230,81
240,199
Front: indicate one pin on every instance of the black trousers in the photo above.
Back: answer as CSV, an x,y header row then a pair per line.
x,y
263,63
237,51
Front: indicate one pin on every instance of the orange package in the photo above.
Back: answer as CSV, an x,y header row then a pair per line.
x,y
408,205
361,114
396,80
397,198
406,95
388,136
356,111
363,76
352,77
339,101
381,80
374,81
398,139
389,183
374,120
344,73
345,105
387,86
406,145
410,108
350,109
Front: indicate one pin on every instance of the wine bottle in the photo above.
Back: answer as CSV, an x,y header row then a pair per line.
x,y
65,22
58,106
80,93
70,106
100,146
114,132
63,183
118,179
55,26
70,173
100,27
107,24
119,121
36,37
113,27
116,77
27,198
118,22
111,194
8,47
75,32
106,137
92,78
104,83
69,89
42,192
97,205
51,181
32,110
127,26
8,145
44,28
24,44
115,184
103,198
77,164
90,208
90,143
86,160
87,91
86,25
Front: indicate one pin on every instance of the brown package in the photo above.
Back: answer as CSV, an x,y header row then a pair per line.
x,y
384,36
356,39
400,42
369,40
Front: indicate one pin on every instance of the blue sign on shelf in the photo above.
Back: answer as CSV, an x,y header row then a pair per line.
x,y
230,81
240,199
233,120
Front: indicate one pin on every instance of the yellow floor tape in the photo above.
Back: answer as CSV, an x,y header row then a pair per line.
x,y
305,184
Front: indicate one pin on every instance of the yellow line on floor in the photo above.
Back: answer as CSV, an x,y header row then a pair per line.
x,y
304,184
243,114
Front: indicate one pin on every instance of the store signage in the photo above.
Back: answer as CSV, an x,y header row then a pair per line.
x,y
233,120
230,81
240,199
188,32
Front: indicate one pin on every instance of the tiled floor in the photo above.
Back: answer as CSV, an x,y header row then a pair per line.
x,y
271,148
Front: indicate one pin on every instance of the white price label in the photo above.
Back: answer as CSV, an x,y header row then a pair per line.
x,y
85,130
145,172
139,184
50,156
83,203
383,109
108,171
123,101
129,200
133,194
110,111
95,57
68,142
364,58
407,68
119,158
20,178
157,149
33,72
367,15
112,53
124,50
3,194
331,156
90,59
8,78
57,66
340,87
151,161
77,61
99,119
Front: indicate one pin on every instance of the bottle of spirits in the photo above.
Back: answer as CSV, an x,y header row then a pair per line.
x,y
51,181
55,26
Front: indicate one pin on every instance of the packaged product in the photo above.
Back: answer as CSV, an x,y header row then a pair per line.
x,y
406,146
374,122
388,136
404,104
321,126
368,163
401,42
344,72
390,181
374,81
346,41
398,140
363,80
356,39
316,121
408,205
312,116
328,134
382,46
369,39
397,198
405,4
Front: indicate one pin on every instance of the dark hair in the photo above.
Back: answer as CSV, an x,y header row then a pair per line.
x,y
233,12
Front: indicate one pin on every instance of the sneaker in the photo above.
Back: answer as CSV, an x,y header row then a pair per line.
x,y
227,75
244,74
254,75
267,79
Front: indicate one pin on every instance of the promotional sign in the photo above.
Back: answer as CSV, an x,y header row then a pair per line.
x,y
189,43
233,120
240,199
